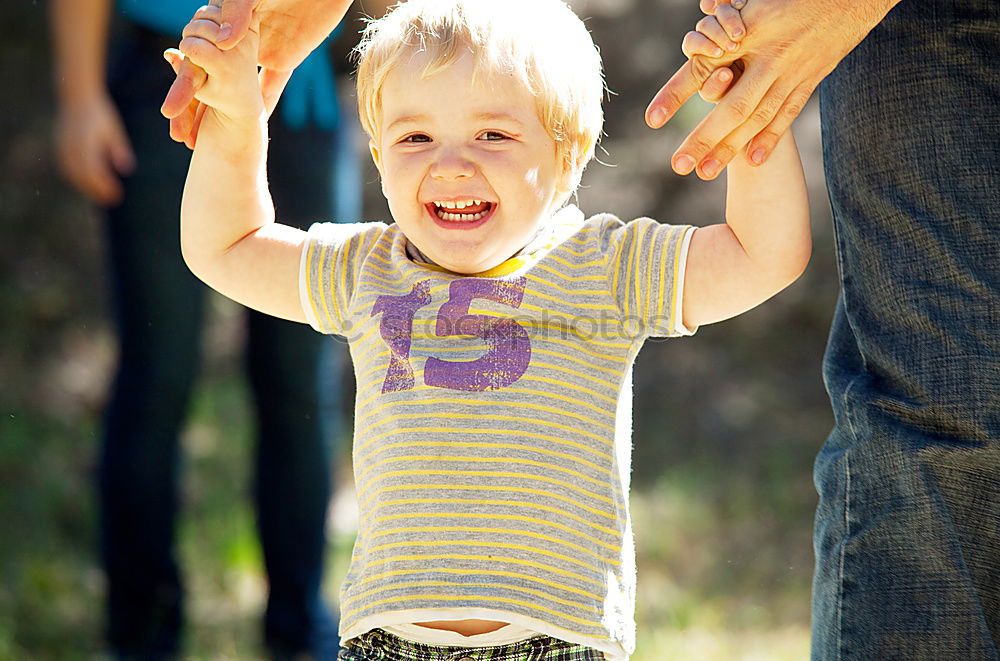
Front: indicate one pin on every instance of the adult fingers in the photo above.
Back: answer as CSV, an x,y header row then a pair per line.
x,y
189,80
726,150
174,58
272,84
735,109
182,124
197,115
685,82
763,144
236,16
190,77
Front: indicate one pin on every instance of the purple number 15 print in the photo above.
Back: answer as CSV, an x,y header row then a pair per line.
x,y
504,362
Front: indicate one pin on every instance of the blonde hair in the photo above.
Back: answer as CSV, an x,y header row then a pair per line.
x,y
541,42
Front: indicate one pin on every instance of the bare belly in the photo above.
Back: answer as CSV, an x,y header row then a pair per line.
x,y
464,627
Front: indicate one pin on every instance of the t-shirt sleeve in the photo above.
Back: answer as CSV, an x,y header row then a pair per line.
x,y
645,263
332,257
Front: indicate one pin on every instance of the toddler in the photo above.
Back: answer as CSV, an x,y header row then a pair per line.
x,y
492,326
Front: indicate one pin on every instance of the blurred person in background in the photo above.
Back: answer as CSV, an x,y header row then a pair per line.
x,y
113,146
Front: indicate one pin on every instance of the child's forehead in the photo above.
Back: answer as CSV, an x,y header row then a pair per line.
x,y
466,64
465,86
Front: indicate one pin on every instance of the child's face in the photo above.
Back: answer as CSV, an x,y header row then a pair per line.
x,y
446,140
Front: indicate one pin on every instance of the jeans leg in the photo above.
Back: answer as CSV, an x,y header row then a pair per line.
x,y
293,481
158,312
296,374
907,534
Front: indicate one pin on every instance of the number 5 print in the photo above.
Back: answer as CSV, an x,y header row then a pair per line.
x,y
510,349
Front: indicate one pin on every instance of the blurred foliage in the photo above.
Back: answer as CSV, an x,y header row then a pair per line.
x,y
726,422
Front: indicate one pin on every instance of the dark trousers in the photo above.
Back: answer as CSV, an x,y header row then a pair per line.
x,y
907,532
293,371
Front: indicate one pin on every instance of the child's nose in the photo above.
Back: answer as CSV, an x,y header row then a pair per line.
x,y
452,164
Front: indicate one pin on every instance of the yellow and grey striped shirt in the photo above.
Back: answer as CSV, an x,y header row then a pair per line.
x,y
493,421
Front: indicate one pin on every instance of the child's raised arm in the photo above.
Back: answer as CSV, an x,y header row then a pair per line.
x,y
228,235
766,241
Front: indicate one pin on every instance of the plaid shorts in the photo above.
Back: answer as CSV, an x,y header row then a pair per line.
x,y
378,645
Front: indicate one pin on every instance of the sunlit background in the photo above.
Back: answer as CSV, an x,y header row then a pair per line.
x,y
726,422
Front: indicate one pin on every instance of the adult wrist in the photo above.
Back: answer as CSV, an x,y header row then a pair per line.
x,y
82,96
869,13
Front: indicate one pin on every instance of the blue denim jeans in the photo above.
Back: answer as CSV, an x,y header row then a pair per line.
x,y
293,371
907,535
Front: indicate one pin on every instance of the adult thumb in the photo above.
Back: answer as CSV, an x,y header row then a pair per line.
x,y
236,16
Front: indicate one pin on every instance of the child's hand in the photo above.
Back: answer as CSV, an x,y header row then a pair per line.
x,y
728,14
232,88
714,36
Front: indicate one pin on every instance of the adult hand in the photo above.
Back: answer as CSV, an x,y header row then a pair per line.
x,y
790,46
289,31
92,149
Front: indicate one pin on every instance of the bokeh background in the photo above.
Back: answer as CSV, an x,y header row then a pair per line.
x,y
726,423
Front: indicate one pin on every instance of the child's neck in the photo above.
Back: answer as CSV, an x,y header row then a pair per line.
x,y
413,252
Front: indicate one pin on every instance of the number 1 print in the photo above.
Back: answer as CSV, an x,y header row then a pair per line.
x,y
396,328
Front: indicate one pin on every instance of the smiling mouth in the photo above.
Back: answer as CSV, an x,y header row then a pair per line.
x,y
461,211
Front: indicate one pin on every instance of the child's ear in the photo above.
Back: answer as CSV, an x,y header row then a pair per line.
x,y
377,158
569,178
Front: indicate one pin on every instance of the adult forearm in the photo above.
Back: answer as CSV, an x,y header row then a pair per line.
x,y
79,36
767,208
226,196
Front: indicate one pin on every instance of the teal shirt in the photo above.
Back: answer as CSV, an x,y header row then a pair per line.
x,y
310,98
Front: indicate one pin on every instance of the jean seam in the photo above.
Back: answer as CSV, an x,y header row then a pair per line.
x,y
847,517
843,554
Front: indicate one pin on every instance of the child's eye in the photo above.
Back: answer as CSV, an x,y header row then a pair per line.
x,y
416,137
492,136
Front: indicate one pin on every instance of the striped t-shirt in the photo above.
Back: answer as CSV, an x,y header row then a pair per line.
x,y
493,421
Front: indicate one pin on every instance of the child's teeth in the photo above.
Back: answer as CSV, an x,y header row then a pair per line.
x,y
462,217
457,216
461,204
